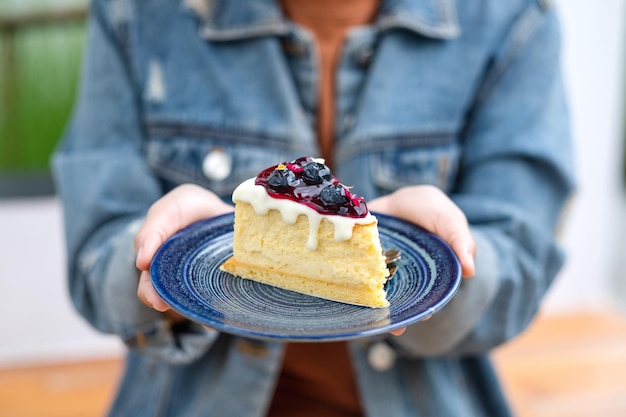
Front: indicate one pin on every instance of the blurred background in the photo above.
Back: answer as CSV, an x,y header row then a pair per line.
x,y
41,43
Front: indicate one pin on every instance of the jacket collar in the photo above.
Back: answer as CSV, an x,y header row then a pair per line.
x,y
224,20
431,18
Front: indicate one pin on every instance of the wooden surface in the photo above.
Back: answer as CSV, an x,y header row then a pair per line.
x,y
64,390
566,366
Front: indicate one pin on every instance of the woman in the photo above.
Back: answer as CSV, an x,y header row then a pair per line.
x,y
451,116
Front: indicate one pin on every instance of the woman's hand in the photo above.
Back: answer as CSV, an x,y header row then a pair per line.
x,y
424,205
177,209
428,207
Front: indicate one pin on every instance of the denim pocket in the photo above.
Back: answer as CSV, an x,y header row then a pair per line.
x,y
213,158
379,166
394,168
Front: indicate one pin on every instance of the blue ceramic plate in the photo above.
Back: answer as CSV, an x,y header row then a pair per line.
x,y
185,273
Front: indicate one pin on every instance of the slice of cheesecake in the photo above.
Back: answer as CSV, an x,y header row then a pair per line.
x,y
298,228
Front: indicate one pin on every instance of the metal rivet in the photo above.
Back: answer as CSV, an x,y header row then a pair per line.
x,y
217,164
364,56
381,356
294,48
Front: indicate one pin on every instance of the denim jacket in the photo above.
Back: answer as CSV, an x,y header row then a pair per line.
x,y
466,96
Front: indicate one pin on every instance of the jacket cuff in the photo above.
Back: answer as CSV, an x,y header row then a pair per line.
x,y
448,327
140,327
175,343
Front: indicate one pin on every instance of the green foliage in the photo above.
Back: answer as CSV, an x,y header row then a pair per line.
x,y
39,71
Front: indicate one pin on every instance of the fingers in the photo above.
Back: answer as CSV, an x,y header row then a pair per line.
x,y
379,204
465,251
398,332
432,209
174,317
148,295
181,207
452,226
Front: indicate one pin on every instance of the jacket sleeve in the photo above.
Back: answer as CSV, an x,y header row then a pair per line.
x,y
106,188
515,178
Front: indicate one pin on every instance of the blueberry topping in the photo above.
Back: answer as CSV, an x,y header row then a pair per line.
x,y
334,195
310,182
282,179
316,173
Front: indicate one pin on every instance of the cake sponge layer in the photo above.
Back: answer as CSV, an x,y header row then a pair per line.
x,y
269,250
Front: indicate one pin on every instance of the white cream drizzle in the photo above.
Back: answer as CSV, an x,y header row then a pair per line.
x,y
262,203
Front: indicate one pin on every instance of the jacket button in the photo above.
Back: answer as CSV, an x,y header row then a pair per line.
x,y
217,164
381,356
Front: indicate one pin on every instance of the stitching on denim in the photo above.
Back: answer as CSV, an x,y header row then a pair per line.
x,y
119,35
202,13
233,32
240,32
443,10
545,4
402,141
524,29
447,27
444,31
165,129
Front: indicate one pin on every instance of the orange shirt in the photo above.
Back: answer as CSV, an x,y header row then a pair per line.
x,y
329,22
316,381
317,378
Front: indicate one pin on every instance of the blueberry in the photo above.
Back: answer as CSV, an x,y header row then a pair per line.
x,y
334,195
282,179
316,173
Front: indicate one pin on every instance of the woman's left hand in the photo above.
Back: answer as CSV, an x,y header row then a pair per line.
x,y
177,209
430,208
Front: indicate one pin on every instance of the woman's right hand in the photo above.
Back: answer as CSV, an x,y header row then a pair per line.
x,y
177,209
